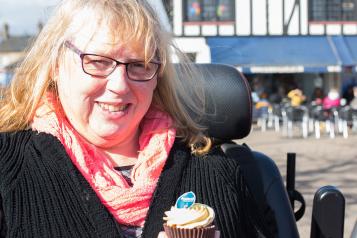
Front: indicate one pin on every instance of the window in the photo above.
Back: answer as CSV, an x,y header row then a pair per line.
x,y
209,10
333,10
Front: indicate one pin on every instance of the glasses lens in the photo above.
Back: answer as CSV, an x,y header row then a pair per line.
x,y
97,65
139,71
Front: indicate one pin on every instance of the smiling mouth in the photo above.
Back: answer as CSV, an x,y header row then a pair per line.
x,y
113,108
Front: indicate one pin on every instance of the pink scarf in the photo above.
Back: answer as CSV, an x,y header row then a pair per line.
x,y
129,205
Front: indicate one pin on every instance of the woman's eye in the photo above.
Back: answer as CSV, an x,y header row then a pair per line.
x,y
138,65
100,63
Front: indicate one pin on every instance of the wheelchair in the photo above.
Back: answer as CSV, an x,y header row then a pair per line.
x,y
229,108
229,117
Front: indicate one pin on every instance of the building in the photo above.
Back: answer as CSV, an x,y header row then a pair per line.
x,y
276,43
12,50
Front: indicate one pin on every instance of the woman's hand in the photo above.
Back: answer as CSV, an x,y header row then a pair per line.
x,y
162,234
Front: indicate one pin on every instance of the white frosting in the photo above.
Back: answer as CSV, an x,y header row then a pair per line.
x,y
198,215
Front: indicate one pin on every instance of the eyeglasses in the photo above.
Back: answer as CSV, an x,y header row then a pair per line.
x,y
102,66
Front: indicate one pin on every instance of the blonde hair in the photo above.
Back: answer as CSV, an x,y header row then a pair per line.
x,y
178,92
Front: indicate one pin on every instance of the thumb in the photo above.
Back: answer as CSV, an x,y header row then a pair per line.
x,y
162,234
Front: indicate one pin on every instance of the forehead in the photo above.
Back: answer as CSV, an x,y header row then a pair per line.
x,y
103,37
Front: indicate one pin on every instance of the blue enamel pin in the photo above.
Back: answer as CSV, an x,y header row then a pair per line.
x,y
186,200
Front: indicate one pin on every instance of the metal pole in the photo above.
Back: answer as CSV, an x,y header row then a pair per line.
x,y
267,16
251,16
290,176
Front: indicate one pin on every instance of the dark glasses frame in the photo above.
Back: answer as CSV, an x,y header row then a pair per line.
x,y
81,54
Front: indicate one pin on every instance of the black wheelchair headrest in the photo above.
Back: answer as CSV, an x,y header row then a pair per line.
x,y
228,102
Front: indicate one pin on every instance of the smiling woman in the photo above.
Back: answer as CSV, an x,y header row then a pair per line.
x,y
99,131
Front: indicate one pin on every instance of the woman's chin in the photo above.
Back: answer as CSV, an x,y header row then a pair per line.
x,y
102,137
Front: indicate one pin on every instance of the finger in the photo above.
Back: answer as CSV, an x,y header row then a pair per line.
x,y
217,234
162,234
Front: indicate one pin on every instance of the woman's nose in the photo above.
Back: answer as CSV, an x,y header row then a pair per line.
x,y
118,81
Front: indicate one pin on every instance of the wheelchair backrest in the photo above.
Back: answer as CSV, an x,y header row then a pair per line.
x,y
230,106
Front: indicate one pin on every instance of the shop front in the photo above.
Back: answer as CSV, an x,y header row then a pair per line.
x,y
276,64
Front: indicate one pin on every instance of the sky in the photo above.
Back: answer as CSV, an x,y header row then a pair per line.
x,y
23,16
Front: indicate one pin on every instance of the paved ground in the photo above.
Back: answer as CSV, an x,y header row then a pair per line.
x,y
319,162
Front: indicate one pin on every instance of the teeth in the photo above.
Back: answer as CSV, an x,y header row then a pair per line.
x,y
112,108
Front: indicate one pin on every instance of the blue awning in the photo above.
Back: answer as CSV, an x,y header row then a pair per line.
x,y
279,54
342,50
351,47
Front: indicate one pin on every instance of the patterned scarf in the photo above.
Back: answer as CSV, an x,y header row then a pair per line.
x,y
128,204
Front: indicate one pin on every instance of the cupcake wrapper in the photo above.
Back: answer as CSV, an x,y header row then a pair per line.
x,y
205,232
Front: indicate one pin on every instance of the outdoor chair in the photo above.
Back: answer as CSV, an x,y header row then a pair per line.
x,y
263,117
277,116
321,117
295,117
229,118
347,118
311,110
266,118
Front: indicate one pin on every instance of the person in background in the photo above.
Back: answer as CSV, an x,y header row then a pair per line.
x,y
296,97
348,81
317,96
332,100
353,103
263,104
348,94
96,138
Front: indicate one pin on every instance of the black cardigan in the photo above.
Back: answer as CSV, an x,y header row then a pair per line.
x,y
44,195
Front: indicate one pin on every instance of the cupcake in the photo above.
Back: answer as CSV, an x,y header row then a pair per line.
x,y
194,221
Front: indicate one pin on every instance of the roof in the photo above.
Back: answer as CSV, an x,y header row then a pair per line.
x,y
15,43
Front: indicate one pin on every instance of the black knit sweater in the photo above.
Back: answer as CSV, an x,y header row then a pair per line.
x,y
44,195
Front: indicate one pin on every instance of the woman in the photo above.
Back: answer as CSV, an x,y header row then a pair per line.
x,y
296,97
332,100
96,141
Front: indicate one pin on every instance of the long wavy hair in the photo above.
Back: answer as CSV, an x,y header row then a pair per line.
x,y
179,91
